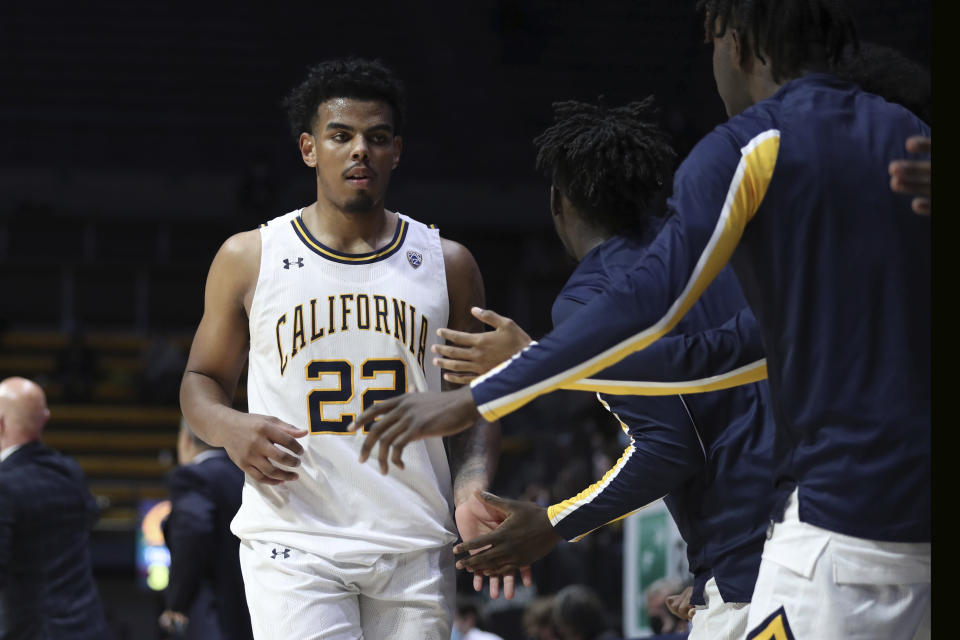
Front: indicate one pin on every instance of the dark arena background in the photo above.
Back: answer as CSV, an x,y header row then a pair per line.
x,y
136,137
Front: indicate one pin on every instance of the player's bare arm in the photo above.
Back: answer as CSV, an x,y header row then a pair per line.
x,y
473,453
467,355
217,357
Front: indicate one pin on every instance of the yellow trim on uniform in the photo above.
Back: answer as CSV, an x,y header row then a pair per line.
x,y
747,189
741,376
556,510
626,515
775,629
348,258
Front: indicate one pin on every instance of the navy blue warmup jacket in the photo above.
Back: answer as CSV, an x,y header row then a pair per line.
x,y
709,453
794,192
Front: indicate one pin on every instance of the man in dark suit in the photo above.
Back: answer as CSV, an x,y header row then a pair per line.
x,y
205,599
47,590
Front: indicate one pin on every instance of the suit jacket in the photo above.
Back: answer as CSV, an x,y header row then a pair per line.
x,y
205,579
47,591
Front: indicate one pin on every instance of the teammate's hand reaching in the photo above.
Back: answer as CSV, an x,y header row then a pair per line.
x,y
524,536
254,446
475,518
414,416
679,605
913,177
473,354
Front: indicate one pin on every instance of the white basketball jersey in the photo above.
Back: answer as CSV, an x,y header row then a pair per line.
x,y
331,334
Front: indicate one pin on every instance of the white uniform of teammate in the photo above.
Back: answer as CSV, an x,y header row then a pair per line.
x,y
344,550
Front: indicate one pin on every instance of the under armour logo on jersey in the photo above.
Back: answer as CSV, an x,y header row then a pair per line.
x,y
415,258
280,554
287,263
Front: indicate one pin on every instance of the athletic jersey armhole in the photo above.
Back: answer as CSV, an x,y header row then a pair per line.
x,y
266,229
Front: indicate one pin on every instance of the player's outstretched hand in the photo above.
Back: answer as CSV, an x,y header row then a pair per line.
x,y
254,446
413,416
524,536
475,518
473,354
913,177
679,605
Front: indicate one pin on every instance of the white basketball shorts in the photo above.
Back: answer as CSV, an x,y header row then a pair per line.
x,y
815,584
295,594
718,620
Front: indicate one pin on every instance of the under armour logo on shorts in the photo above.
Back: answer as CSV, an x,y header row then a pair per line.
x,y
280,554
287,263
415,258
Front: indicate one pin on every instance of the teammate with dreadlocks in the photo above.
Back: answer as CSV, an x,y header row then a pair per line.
x,y
607,167
836,270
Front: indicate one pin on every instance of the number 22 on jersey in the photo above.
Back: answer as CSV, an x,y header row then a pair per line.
x,y
344,391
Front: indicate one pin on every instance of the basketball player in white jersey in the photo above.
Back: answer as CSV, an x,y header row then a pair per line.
x,y
336,305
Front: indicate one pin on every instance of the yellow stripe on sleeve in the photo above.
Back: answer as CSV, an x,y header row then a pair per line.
x,y
747,189
754,372
559,511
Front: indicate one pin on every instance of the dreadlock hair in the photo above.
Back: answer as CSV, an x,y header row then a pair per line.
x,y
610,163
352,77
889,74
797,35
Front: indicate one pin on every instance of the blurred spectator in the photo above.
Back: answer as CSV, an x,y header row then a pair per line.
x,y
205,599
46,513
662,620
466,620
538,619
578,614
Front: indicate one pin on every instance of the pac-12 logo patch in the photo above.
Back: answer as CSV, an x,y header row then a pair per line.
x,y
415,259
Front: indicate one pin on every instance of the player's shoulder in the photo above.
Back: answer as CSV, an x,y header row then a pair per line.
x,y
454,251
241,248
458,262
719,152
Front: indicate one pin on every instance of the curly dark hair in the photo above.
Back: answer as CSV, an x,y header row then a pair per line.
x,y
889,74
352,77
610,162
798,35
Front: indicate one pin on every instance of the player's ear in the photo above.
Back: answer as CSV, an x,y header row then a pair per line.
x,y
308,149
738,51
397,149
556,201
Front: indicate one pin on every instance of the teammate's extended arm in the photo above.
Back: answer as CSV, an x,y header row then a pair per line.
x,y
717,190
727,356
663,453
217,357
731,355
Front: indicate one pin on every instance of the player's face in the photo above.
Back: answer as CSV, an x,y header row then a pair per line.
x,y
728,72
354,149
